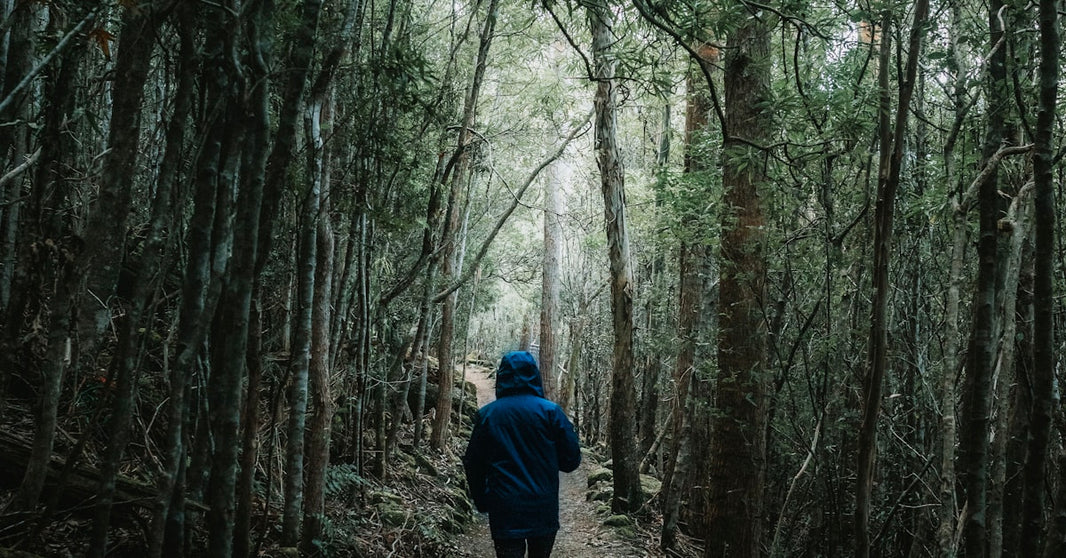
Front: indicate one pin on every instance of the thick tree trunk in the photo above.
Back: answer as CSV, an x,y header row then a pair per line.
x,y
737,453
623,422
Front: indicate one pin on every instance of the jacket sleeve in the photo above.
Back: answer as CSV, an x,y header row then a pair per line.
x,y
567,447
474,464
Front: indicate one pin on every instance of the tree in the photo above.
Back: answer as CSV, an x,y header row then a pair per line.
x,y
737,452
623,423
891,143
1044,359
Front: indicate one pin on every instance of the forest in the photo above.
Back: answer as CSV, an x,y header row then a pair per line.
x,y
796,262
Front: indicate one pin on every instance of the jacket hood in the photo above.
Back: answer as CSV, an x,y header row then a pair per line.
x,y
518,373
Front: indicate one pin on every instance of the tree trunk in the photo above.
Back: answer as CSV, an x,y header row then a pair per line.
x,y
1044,343
1004,367
623,423
21,48
318,441
168,171
301,347
976,407
891,160
131,71
549,292
449,242
693,256
737,453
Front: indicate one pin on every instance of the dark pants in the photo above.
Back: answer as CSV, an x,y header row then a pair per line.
x,y
539,547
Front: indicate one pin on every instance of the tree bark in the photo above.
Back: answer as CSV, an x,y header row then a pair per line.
x,y
549,292
734,498
449,240
318,442
976,410
693,256
891,161
131,71
1044,343
623,422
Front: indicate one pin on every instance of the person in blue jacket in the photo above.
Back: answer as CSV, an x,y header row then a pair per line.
x,y
519,444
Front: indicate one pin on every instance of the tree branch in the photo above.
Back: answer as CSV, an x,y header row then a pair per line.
x,y
970,196
60,47
16,171
578,130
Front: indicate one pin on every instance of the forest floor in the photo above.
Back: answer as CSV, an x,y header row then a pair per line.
x,y
582,533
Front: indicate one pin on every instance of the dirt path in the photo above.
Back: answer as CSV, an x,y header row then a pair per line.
x,y
581,533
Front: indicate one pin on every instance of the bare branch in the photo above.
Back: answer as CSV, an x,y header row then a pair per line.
x,y
60,47
578,130
17,171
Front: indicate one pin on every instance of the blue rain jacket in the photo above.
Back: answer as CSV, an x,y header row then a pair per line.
x,y
519,444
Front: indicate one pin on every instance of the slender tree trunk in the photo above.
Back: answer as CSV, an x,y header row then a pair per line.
x,y
891,161
301,347
233,322
74,261
19,58
1044,343
168,171
318,441
1021,405
198,304
549,292
449,242
948,511
623,423
1004,368
131,70
247,271
977,394
692,257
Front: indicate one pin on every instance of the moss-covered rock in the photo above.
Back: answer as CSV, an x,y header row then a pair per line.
x,y
604,495
650,485
392,514
598,475
618,521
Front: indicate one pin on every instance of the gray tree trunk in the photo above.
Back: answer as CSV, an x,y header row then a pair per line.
x,y
623,422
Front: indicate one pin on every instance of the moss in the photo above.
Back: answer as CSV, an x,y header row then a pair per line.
x,y
600,475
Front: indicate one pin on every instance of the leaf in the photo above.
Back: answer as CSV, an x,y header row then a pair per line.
x,y
103,40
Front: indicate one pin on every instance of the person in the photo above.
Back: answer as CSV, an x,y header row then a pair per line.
x,y
518,445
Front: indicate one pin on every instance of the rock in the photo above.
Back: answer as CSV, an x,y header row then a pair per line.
x,y
392,514
600,475
650,485
618,521
604,495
